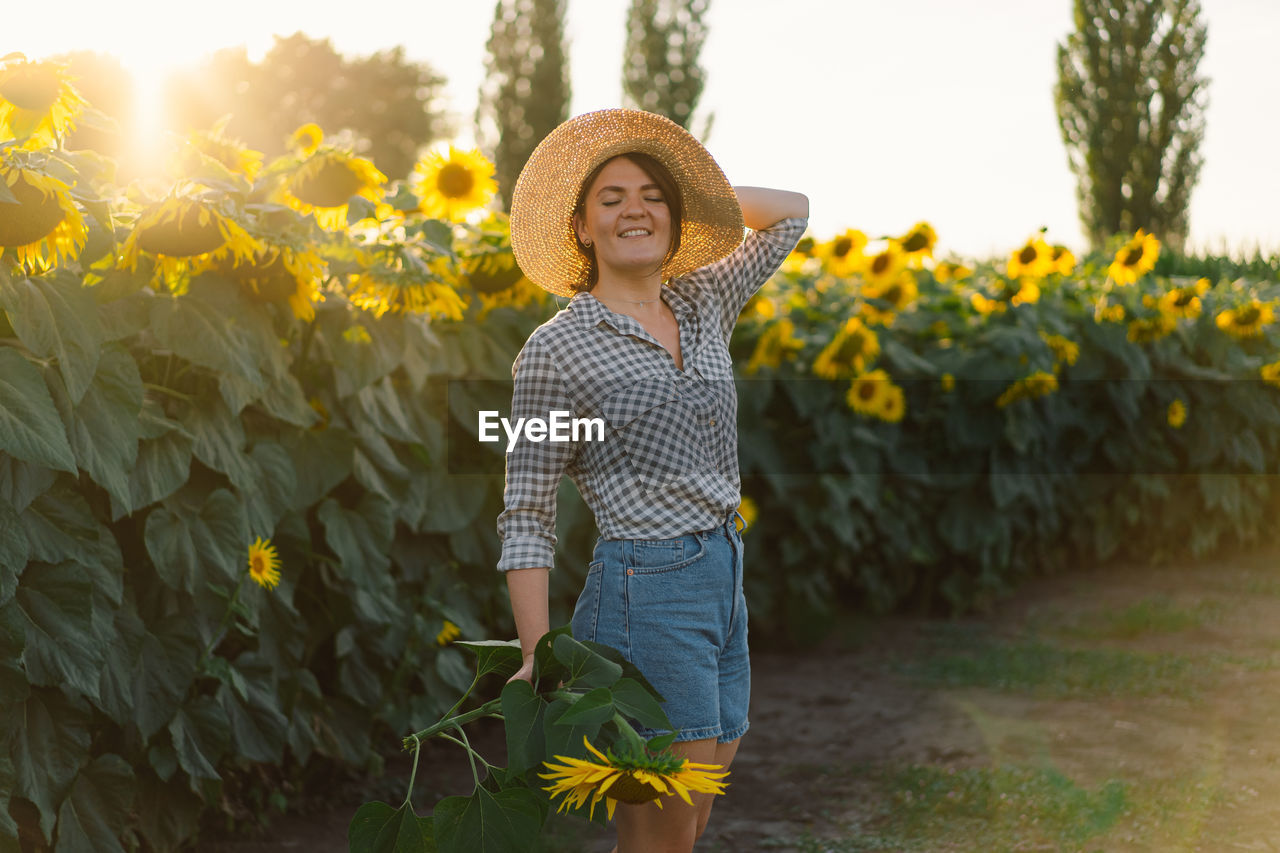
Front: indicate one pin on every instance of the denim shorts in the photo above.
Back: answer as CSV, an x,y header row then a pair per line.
x,y
675,609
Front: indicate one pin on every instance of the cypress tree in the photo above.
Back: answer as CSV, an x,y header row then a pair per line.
x,y
526,89
1131,110
660,71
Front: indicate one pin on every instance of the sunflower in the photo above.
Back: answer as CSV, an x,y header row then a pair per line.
x,y
748,509
985,305
454,184
1246,321
264,563
867,392
448,634
1038,384
800,256
306,139
188,234
851,350
38,104
1184,302
884,266
898,293
1271,373
1104,312
1176,414
893,404
1064,263
842,256
1135,259
379,289
45,227
231,154
948,382
629,778
325,181
1063,349
777,342
1033,260
946,271
918,243
280,272
1145,330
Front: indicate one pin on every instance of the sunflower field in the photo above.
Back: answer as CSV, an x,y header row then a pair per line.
x,y
244,517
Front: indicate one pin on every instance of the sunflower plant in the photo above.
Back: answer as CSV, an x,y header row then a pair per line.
x,y
570,734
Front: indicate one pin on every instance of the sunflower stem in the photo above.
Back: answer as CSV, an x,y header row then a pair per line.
x,y
226,616
488,709
630,735
417,749
471,755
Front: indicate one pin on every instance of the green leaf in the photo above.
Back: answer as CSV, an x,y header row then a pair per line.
x,y
523,713
120,665
257,725
190,549
361,539
271,495
103,425
172,550
164,464
321,459
629,670
219,441
637,703
54,316
201,735
172,815
14,550
378,828
62,649
30,427
548,672
500,656
504,822
207,334
593,709
14,686
93,816
8,781
586,668
566,739
49,745
23,482
166,668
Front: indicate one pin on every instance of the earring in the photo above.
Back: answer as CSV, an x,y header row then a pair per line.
x,y
587,243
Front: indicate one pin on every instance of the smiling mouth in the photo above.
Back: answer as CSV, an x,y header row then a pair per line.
x,y
635,232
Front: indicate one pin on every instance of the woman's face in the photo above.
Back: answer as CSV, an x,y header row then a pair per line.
x,y
625,219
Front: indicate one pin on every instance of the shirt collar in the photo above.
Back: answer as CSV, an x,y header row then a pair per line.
x,y
589,311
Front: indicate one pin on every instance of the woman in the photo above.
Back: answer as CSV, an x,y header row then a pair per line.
x,y
629,215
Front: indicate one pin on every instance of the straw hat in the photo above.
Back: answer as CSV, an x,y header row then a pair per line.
x,y
542,203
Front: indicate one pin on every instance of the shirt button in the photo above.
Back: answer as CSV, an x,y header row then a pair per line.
x,y
712,421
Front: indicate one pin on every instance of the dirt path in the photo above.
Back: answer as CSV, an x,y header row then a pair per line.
x,y
1122,710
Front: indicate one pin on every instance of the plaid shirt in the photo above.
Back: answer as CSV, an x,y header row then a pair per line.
x,y
668,462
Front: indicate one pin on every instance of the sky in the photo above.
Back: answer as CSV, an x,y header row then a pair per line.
x,y
883,114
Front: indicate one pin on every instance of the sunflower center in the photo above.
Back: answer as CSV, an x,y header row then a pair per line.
x,y
841,247
917,241
851,347
629,789
33,217
1183,299
1248,315
258,565
867,390
454,180
1131,257
328,186
1027,254
32,88
880,263
893,294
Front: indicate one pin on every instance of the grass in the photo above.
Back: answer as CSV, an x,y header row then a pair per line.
x,y
1045,669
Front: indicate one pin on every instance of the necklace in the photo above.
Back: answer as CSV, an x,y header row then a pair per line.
x,y
629,301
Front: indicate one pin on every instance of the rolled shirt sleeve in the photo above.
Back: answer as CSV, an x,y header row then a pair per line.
x,y
738,275
527,525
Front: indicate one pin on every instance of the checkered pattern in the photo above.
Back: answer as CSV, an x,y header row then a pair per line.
x,y
668,464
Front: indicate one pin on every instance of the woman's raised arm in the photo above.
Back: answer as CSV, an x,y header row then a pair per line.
x,y
761,206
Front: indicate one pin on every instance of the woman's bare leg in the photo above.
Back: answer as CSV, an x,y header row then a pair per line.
x,y
676,826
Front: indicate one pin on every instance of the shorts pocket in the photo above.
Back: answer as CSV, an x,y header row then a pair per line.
x,y
657,431
586,613
657,556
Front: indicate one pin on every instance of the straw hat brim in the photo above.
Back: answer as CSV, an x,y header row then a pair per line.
x,y
542,202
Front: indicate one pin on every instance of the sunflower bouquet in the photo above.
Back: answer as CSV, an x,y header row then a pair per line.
x,y
572,727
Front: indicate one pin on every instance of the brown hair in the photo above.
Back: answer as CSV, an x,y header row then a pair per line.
x,y
661,176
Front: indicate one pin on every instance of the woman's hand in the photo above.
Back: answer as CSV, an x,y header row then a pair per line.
x,y
525,671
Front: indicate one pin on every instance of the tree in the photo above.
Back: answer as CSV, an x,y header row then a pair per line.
x,y
1131,110
660,72
526,89
386,101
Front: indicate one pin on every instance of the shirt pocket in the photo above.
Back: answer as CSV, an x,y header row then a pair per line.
x,y
656,429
